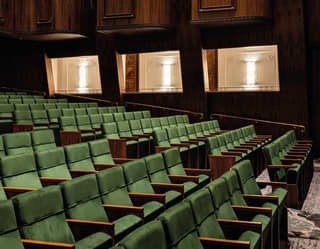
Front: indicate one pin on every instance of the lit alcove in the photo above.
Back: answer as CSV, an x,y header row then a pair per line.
x,y
243,69
74,75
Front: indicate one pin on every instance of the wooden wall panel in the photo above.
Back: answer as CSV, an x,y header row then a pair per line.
x,y
212,69
6,14
132,72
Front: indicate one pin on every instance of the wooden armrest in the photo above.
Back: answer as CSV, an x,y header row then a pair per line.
x,y
250,144
203,137
197,172
290,161
266,136
231,153
139,198
76,173
180,145
130,137
281,166
41,124
263,184
87,131
245,210
122,160
103,166
142,135
243,147
13,191
294,157
298,152
116,211
238,150
35,244
305,141
182,179
161,188
97,129
230,226
223,156
84,228
303,146
69,132
191,142
210,243
116,140
47,181
261,198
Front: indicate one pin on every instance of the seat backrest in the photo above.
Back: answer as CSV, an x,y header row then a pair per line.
x,y
138,115
14,101
146,125
54,115
118,117
96,120
68,123
222,142
246,178
213,146
124,128
180,119
273,157
112,109
150,235
23,117
182,132
43,140
9,233
41,101
173,135
62,105
137,177
221,199
161,138
121,109
108,118
63,100
40,117
146,114
80,111
28,101
78,157
73,105
92,110
38,107
186,119
164,122
113,187
110,130
136,127
198,129
52,163
191,131
205,128
49,106
173,162
82,105
128,116
20,171
6,110
234,188
156,169
228,139
172,120
2,149
83,122
100,151
82,199
92,104
180,227
17,143
204,214
155,122
103,110
37,211
52,101
22,107
68,112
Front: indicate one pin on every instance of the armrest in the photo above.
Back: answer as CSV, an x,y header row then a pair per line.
x,y
191,142
76,173
142,135
130,137
238,150
243,147
197,172
69,132
47,181
35,244
182,179
305,141
231,153
122,160
12,191
290,161
249,210
180,145
296,152
261,198
229,226
103,166
159,149
161,188
209,243
87,131
223,156
294,156
139,198
116,140
84,228
116,211
281,166
42,124
263,184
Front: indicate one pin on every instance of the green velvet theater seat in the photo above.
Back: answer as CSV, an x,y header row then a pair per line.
x,y
20,171
92,110
38,107
113,189
138,182
107,118
80,111
62,105
174,166
138,115
43,140
121,108
68,112
73,105
112,109
54,115
17,143
209,226
52,163
39,212
21,107
146,114
164,122
40,119
6,111
118,117
128,116
96,121
82,201
2,149
155,122
3,195
146,125
49,106
172,121
9,233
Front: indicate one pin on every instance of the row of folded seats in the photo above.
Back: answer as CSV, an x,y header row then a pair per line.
x,y
289,160
99,210
13,93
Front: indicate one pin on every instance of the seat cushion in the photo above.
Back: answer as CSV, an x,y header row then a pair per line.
x,y
281,193
189,187
96,240
152,209
265,220
126,224
252,237
172,197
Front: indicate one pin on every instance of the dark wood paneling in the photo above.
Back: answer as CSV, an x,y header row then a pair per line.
x,y
6,14
212,69
115,9
132,73
217,5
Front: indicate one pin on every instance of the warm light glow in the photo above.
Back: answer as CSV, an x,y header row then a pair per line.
x,y
166,75
251,73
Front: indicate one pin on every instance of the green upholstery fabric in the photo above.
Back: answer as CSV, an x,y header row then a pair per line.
x,y
100,151
40,117
146,114
172,121
80,111
128,116
62,105
23,117
185,119
151,235
108,118
146,125
96,120
2,149
161,138
49,106
20,171
39,107
22,107
103,110
68,123
68,112
15,101
28,101
83,123
180,119
41,101
73,105
17,143
6,110
92,110
54,115
40,212
138,115
121,108
63,100
118,117
43,140
52,163
112,109
155,122
164,122
136,127
110,130
132,145
3,195
92,104
9,234
78,157
234,188
180,227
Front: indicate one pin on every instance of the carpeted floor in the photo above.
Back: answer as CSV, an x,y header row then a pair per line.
x,y
311,204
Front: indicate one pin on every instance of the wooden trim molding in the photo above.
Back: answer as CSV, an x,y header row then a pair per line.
x,y
130,14
232,6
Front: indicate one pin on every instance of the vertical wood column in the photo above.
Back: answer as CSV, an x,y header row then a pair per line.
x,y
190,46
